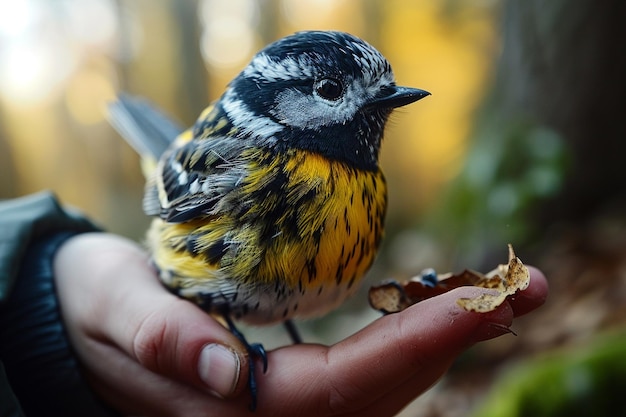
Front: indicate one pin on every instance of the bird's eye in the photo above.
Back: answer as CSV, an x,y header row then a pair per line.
x,y
329,89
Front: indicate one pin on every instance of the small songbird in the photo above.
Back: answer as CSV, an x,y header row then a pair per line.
x,y
272,205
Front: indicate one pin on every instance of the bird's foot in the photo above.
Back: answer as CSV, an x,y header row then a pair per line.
x,y
255,351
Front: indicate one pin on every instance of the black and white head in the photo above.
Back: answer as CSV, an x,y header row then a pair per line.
x,y
327,92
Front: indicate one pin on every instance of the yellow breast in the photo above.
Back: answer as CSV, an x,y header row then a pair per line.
x,y
294,238
338,228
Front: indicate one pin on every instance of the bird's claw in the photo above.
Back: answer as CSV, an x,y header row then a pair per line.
x,y
255,350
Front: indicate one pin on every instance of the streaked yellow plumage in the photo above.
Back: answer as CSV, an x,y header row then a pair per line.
x,y
320,246
272,205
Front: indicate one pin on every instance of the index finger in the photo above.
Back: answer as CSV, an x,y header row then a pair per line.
x,y
366,367
533,296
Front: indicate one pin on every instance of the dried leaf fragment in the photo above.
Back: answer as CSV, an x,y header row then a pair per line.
x,y
516,278
505,280
389,297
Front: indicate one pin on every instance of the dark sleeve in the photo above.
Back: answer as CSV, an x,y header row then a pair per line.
x,y
23,221
39,365
9,406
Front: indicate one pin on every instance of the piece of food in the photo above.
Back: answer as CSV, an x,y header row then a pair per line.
x,y
505,280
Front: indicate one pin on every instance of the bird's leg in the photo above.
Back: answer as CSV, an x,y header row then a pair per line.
x,y
255,350
293,332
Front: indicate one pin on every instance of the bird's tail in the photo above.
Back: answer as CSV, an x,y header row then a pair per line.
x,y
148,130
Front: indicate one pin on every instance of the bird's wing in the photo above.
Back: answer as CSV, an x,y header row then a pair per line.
x,y
190,176
147,129
196,177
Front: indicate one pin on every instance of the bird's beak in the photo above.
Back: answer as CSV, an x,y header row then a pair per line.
x,y
395,96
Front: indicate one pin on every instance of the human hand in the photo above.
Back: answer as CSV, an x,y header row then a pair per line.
x,y
147,352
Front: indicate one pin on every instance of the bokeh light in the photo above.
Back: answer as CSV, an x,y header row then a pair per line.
x,y
228,31
60,62
42,44
346,15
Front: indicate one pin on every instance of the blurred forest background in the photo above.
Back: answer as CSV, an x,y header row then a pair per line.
x,y
522,141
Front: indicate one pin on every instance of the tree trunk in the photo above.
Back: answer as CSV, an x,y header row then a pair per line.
x,y
564,65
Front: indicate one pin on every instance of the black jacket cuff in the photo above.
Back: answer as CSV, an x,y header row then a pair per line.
x,y
39,363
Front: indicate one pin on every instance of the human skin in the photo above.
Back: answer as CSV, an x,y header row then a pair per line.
x,y
147,352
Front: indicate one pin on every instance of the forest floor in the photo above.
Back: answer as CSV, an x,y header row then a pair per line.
x,y
586,270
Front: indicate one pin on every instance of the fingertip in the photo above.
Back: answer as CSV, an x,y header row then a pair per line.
x,y
532,297
450,327
493,324
538,284
207,355
178,340
219,368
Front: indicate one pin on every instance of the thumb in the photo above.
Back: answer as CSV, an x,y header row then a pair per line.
x,y
165,334
178,340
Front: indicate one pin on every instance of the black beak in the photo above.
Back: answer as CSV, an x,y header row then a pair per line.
x,y
395,96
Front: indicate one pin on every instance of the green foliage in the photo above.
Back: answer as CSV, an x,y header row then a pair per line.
x,y
509,170
585,382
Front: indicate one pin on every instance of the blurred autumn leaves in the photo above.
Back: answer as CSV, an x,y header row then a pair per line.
x,y
60,62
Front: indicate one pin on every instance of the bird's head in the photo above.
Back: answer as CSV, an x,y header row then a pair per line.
x,y
327,92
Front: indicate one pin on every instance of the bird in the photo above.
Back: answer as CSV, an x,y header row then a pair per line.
x,y
272,205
